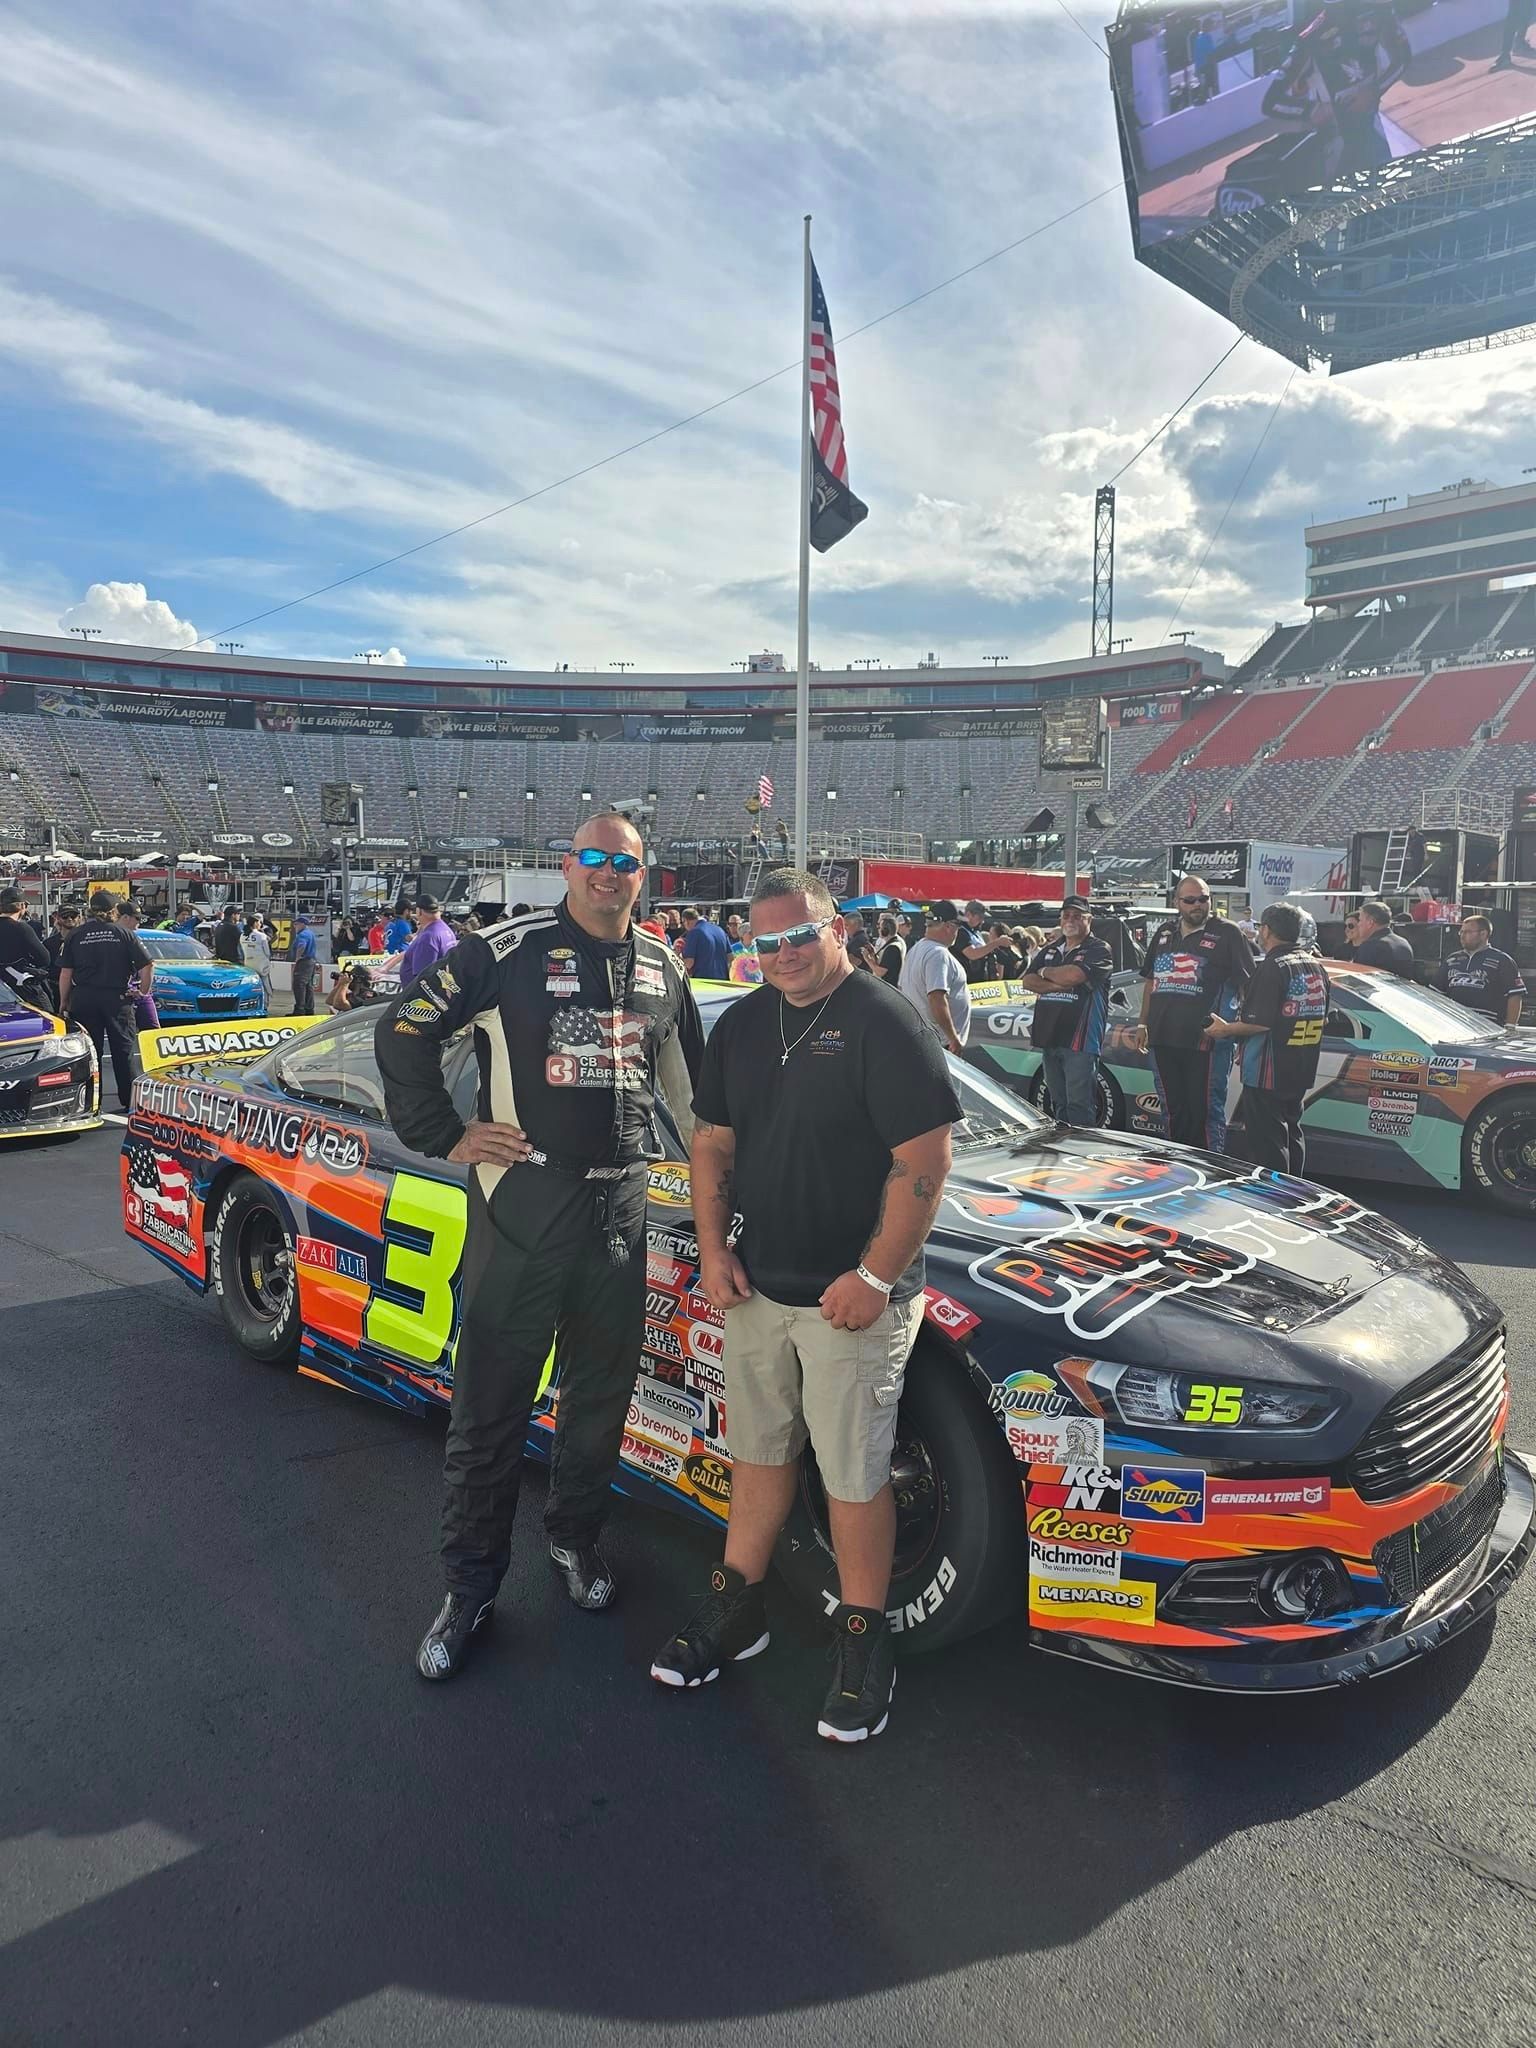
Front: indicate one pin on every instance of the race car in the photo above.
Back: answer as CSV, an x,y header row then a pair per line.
x,y
1410,1086
1190,1420
189,982
49,1083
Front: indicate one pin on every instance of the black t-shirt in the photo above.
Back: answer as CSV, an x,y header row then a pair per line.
x,y
102,957
1192,974
815,1133
1482,981
1386,949
226,941
1289,993
22,953
1073,1018
861,949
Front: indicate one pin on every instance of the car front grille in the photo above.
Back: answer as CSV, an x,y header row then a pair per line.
x,y
1425,1551
1433,1429
217,1006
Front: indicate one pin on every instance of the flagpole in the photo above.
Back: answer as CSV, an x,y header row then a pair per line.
x,y
803,662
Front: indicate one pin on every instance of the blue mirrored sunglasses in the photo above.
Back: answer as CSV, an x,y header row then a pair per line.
x,y
797,935
594,857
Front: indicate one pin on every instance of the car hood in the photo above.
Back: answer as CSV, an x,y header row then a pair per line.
x,y
1138,1249
25,1027
200,973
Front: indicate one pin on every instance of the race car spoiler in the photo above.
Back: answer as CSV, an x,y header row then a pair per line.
x,y
233,1040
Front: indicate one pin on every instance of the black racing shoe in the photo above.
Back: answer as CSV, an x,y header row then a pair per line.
x,y
858,1702
587,1578
446,1643
729,1625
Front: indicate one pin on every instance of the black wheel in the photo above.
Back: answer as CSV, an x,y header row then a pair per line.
x,y
1104,1099
960,1556
253,1271
1499,1148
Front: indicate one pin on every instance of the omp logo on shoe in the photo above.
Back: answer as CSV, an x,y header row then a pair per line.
x,y
437,1657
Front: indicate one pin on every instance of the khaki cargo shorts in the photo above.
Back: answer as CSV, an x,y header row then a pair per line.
x,y
789,1376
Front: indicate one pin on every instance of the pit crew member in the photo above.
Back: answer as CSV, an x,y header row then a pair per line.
x,y
1480,977
1070,978
1281,1032
99,962
1195,966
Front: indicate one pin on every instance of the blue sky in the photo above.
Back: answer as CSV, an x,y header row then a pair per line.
x,y
285,289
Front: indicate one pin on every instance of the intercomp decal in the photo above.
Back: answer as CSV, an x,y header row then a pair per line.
x,y
1103,1262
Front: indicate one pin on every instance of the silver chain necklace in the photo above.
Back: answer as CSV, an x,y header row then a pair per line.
x,y
788,1047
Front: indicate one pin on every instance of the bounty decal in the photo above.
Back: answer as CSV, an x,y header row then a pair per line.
x,y
1025,1394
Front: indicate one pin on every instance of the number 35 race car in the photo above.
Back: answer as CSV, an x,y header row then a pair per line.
x,y
1186,1419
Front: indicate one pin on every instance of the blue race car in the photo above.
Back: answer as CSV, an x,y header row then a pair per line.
x,y
190,983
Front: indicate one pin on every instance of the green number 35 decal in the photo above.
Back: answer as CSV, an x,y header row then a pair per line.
x,y
424,1225
1214,1404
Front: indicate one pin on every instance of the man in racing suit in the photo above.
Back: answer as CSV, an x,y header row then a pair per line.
x,y
1195,966
577,1015
1343,62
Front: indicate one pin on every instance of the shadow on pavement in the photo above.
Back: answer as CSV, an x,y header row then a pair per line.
x,y
228,1573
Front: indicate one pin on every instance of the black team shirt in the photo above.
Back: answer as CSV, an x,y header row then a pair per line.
x,y
815,1134
103,958
1482,981
1193,974
1289,995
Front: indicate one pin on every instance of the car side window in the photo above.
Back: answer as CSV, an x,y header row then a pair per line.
x,y
333,1065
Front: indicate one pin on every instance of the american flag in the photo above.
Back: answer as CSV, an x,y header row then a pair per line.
x,y
834,509
765,791
160,1183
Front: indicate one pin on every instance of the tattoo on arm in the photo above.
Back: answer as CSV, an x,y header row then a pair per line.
x,y
925,1188
702,1129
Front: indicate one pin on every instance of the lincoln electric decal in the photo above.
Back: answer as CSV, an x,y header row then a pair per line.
x,y
1113,1245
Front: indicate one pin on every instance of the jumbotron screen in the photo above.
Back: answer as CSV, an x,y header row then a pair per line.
x,y
1226,109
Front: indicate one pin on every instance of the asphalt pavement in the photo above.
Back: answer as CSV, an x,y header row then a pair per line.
x,y
231,1814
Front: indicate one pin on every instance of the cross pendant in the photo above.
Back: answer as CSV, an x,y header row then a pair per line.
x,y
783,1059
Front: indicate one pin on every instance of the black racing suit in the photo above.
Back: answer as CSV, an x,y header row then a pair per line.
x,y
573,1037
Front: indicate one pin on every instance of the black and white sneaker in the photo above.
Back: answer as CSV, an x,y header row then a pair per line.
x,y
858,1702
587,1578
729,1625
446,1643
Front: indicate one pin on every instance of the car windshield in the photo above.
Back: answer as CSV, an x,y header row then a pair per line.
x,y
173,946
989,1114
1423,1010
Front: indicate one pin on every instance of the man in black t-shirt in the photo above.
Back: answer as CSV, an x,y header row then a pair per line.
x,y
97,965
1480,977
226,937
24,960
822,1114
1069,977
1195,965
1378,945
1285,1009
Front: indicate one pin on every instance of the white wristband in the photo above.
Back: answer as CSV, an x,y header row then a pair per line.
x,y
874,1280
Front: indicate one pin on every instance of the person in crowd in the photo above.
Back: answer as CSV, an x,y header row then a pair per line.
x,y
256,953
1029,938
306,966
1351,934
1280,1029
65,920
823,1116
433,939
580,1020
24,960
892,949
1480,977
352,988
399,931
186,921
227,936
1069,978
973,945
141,1001
706,950
1007,961
862,950
517,910
933,979
1377,945
376,931
1194,965
733,931
96,965
346,938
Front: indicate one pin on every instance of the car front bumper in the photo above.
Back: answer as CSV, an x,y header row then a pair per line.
x,y
1464,1597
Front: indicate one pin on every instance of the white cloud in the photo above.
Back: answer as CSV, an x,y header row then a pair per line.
x,y
126,613
388,657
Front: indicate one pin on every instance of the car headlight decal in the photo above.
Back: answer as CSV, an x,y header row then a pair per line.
x,y
1149,1398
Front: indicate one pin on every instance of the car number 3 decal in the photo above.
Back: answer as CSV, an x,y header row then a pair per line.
x,y
1214,1404
424,1227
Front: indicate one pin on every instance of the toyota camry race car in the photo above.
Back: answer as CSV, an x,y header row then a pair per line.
x,y
189,982
48,1077
1191,1420
1410,1086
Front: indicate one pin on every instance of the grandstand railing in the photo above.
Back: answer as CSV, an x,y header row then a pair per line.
x,y
1463,810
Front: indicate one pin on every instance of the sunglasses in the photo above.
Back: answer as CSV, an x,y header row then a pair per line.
x,y
1194,899
594,857
797,935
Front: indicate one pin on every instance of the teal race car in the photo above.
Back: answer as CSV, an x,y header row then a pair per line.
x,y
1410,1087
190,983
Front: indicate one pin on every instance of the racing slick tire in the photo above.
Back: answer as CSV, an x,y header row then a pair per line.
x,y
1106,1099
253,1271
1499,1151
960,1544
